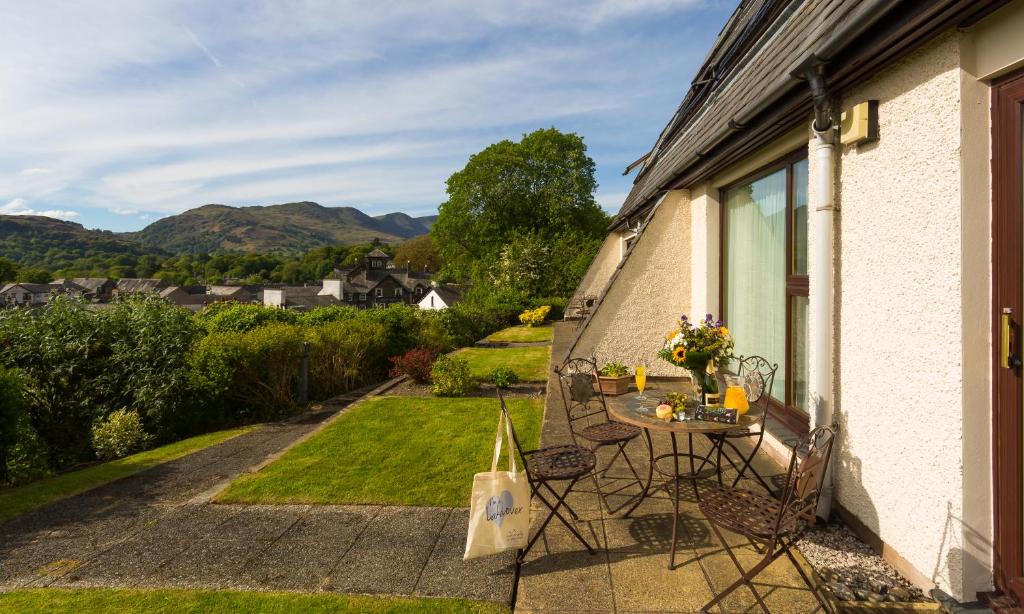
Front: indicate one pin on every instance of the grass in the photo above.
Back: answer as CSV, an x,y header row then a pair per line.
x,y
523,334
391,450
529,363
119,601
21,499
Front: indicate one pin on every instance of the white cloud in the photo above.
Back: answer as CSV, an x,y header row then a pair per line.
x,y
19,206
122,210
29,172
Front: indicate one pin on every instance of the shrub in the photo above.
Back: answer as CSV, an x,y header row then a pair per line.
x,y
452,377
556,303
324,315
240,317
503,377
22,455
251,375
534,317
119,435
343,355
416,364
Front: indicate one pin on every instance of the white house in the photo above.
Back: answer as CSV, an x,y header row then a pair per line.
x,y
439,297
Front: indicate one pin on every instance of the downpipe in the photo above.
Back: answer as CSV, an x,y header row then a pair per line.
x,y
822,289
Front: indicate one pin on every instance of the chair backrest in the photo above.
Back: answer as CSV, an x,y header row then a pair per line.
x,y
805,479
759,377
582,398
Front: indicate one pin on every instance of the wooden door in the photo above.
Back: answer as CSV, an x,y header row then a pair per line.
x,y
1008,314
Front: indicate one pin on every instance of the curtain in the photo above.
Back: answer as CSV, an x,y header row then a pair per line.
x,y
755,271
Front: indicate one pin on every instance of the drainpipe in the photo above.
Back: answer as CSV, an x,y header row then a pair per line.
x,y
822,284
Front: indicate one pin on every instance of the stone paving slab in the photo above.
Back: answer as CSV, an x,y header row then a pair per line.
x,y
156,529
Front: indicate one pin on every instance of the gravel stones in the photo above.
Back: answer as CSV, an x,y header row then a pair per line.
x,y
851,570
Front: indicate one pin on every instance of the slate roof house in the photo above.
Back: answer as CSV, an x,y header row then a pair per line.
x,y
35,295
96,289
377,283
128,285
440,297
842,185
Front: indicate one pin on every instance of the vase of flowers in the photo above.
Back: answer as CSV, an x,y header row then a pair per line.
x,y
700,349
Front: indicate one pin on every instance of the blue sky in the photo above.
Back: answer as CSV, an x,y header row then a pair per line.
x,y
119,112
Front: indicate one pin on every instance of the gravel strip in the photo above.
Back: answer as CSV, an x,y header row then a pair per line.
x,y
851,570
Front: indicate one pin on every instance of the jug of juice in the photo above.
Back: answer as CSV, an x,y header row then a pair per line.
x,y
735,395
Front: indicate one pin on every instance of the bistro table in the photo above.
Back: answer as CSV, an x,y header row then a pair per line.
x,y
630,410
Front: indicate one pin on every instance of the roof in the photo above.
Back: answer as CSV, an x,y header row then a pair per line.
x,y
377,253
450,296
92,284
37,288
137,284
309,302
750,88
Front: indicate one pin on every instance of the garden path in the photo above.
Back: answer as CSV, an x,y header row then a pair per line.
x,y
157,528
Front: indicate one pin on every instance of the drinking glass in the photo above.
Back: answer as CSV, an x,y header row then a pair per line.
x,y
735,395
641,380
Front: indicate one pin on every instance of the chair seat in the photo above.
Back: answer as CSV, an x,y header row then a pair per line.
x,y
748,513
610,432
561,462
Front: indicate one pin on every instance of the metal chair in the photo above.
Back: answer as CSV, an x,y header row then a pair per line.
x,y
759,377
773,525
587,412
552,464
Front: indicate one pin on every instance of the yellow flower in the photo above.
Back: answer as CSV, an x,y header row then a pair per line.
x,y
723,331
671,334
679,354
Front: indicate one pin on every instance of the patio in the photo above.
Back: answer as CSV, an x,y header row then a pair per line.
x,y
629,572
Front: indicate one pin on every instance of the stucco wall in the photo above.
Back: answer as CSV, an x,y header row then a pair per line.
x,y
648,295
899,313
601,268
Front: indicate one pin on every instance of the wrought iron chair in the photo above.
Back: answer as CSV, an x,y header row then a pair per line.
x,y
773,525
587,412
552,464
758,376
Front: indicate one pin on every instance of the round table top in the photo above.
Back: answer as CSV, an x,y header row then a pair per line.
x,y
632,412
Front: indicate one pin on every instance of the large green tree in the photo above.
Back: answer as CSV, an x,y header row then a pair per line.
x,y
528,204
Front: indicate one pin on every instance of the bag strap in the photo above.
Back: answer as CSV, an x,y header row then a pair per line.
x,y
497,445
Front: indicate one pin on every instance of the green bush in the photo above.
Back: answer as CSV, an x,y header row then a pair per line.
x,y
452,377
22,456
324,315
118,435
342,355
249,376
534,317
240,317
556,303
503,377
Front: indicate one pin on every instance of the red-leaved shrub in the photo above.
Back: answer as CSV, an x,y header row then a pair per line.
x,y
416,363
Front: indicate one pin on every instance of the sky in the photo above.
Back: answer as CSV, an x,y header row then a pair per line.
x,y
115,113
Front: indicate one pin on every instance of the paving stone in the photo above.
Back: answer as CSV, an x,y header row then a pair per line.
x,y
560,575
293,565
39,562
390,554
257,522
337,524
189,523
447,575
124,565
208,564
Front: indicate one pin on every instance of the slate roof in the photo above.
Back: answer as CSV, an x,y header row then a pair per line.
x,y
91,284
450,296
377,253
137,284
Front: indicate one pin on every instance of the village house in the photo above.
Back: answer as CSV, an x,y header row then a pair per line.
x,y
842,186
134,285
299,298
36,295
377,283
440,297
95,289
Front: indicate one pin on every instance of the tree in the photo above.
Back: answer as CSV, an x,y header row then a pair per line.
x,y
539,191
8,270
34,276
419,254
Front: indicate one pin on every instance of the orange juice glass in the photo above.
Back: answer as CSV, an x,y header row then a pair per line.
x,y
641,380
735,396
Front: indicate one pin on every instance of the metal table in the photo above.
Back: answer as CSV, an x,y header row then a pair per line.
x,y
629,410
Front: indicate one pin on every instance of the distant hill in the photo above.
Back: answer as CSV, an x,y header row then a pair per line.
x,y
289,227
43,241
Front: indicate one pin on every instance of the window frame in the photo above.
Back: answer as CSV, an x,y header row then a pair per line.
x,y
378,292
794,418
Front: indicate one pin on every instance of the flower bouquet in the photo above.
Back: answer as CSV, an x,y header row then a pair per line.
x,y
700,349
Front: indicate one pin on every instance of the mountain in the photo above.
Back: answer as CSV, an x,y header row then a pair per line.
x,y
289,227
43,241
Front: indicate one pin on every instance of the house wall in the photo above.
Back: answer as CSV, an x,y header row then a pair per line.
x,y
602,267
899,392
648,294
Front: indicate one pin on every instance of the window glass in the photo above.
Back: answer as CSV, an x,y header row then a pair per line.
x,y
800,218
798,352
755,274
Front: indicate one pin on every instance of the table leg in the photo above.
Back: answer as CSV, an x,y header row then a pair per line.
x,y
650,475
675,500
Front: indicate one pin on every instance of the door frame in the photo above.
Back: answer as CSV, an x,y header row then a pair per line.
x,y
1007,292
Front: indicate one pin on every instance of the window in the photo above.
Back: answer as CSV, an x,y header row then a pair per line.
x,y
362,296
431,300
379,293
764,268
419,290
398,292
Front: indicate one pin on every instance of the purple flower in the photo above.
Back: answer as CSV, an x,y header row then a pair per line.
x,y
719,324
709,318
684,317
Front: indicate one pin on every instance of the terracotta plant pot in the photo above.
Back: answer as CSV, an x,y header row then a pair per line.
x,y
614,386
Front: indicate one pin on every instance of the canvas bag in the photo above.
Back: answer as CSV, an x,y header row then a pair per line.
x,y
499,508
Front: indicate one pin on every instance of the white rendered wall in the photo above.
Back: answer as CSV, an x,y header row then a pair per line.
x,y
648,295
602,267
899,390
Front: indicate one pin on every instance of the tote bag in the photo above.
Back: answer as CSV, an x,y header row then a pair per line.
x,y
499,508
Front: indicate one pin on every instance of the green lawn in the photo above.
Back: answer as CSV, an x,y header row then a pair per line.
x,y
391,450
523,334
116,601
16,501
529,363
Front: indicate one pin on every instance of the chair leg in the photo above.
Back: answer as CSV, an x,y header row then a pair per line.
x,y
810,583
559,502
746,577
636,479
748,464
572,512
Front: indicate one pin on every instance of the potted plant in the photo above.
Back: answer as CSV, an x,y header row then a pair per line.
x,y
613,378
